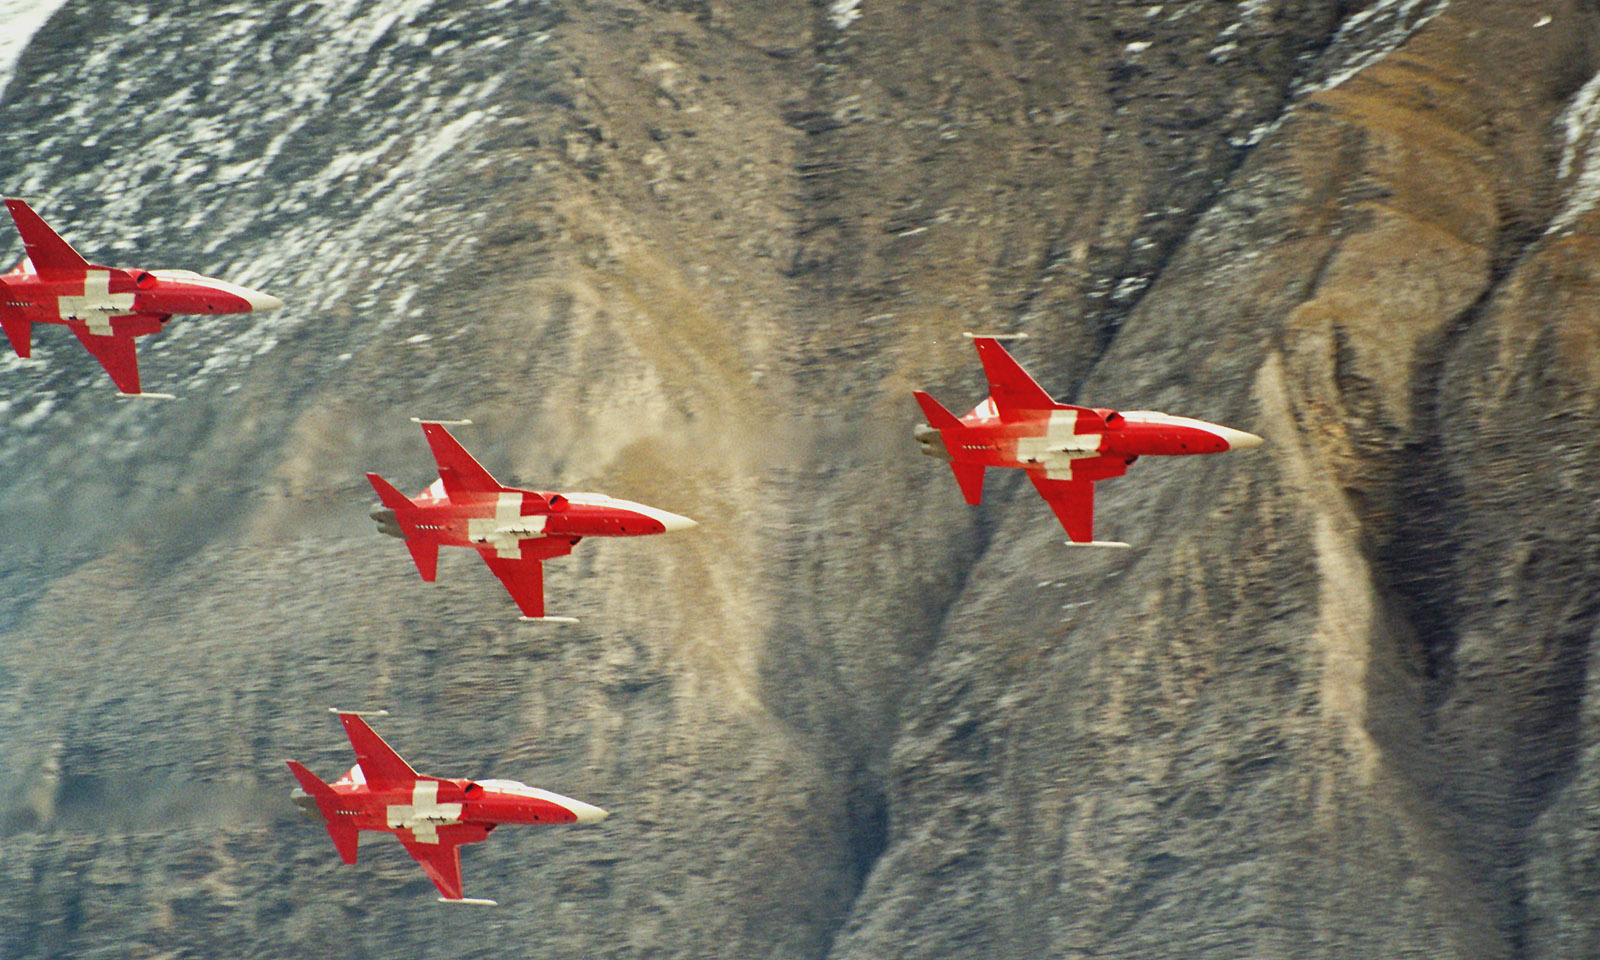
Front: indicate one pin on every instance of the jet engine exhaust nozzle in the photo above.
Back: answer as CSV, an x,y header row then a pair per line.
x,y
931,442
387,522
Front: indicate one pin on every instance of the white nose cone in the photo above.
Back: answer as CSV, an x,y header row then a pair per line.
x,y
672,522
1237,439
260,301
669,521
585,812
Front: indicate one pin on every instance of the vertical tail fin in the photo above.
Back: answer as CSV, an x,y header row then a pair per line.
x,y
345,838
51,255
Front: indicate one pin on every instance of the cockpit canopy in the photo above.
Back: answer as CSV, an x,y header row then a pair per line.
x,y
509,786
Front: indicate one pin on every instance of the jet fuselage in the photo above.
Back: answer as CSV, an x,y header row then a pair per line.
x,y
131,302
433,803
1057,438
515,515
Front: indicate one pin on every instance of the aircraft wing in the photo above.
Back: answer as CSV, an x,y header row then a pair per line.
x,y
1017,395
460,473
441,861
115,352
523,575
1072,501
51,255
439,854
379,763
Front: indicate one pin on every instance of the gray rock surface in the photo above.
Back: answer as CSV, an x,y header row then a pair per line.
x,y
1335,703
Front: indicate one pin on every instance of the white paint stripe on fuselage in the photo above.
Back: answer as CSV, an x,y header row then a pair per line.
x,y
1167,419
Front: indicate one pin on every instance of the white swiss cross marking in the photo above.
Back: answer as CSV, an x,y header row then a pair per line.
x,y
97,305
423,815
1060,445
506,527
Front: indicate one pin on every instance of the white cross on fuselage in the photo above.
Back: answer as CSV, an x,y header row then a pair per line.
x,y
507,527
97,305
423,815
1060,445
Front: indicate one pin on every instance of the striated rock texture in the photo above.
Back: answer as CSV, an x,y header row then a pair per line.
x,y
1336,702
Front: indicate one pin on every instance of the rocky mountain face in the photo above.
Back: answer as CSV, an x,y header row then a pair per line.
x,y
1336,701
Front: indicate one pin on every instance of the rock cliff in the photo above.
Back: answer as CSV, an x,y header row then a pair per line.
x,y
1334,703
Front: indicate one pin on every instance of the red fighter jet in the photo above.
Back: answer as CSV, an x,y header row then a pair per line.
x,y
515,530
432,816
1064,449
105,306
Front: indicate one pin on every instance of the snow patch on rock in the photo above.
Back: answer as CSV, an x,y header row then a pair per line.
x,y
1579,173
1367,37
19,21
842,13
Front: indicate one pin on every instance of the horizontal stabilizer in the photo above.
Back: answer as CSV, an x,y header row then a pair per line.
x,y
425,554
1098,543
51,255
474,901
938,417
970,477
388,495
548,619
345,837
19,330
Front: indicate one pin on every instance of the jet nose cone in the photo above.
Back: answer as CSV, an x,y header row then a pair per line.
x,y
1238,439
261,301
671,522
586,812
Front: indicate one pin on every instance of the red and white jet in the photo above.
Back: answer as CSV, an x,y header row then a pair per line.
x,y
432,816
105,306
514,530
1064,449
